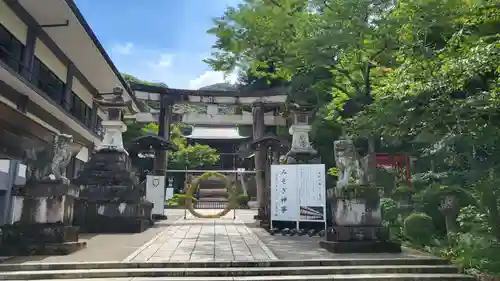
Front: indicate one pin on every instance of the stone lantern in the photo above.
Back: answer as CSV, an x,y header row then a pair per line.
x,y
113,197
114,127
300,134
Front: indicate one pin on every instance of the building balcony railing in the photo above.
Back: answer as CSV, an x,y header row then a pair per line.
x,y
19,67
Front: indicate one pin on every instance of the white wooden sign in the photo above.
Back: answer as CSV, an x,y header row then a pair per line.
x,y
169,193
298,193
284,199
155,193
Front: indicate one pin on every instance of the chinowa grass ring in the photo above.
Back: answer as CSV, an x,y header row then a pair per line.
x,y
194,185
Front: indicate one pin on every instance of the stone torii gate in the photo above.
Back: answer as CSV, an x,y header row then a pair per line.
x,y
259,100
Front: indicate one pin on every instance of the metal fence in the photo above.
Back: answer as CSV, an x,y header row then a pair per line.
x,y
210,204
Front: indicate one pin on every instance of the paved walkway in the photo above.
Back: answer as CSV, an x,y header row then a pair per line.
x,y
105,247
194,239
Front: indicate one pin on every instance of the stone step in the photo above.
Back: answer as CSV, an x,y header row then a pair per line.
x,y
335,277
356,261
212,191
213,198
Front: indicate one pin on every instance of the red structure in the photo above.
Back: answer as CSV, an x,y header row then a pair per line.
x,y
400,163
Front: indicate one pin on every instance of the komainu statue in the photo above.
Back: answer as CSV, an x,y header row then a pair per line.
x,y
51,161
349,163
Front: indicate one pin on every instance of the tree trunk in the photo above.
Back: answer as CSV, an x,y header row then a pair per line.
x,y
372,162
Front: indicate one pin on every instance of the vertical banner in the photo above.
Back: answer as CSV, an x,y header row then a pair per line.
x,y
298,193
312,192
155,193
284,201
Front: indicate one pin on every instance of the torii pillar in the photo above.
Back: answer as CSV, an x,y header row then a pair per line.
x,y
258,128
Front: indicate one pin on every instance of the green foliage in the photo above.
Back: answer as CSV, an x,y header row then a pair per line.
x,y
179,200
334,172
418,227
242,200
389,209
421,76
187,156
475,254
132,79
471,219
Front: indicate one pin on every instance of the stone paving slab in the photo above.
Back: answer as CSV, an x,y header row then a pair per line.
x,y
104,247
193,239
307,248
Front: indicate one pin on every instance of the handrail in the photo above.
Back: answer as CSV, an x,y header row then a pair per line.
x,y
22,66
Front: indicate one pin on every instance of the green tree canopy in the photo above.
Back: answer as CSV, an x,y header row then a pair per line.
x,y
423,77
187,156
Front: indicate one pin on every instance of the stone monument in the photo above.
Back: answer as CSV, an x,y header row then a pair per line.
x,y
357,220
42,208
112,200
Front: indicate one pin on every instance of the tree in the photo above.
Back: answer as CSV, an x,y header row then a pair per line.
x,y
187,156
132,79
421,76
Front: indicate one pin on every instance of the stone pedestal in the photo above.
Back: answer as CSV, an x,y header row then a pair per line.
x,y
111,199
42,217
357,223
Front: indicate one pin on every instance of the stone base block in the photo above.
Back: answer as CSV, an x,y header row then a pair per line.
x,y
361,246
102,224
159,217
37,233
113,217
40,249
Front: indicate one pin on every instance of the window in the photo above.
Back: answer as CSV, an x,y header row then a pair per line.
x,y
47,81
81,111
11,49
98,127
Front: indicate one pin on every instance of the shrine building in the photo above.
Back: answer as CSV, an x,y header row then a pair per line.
x,y
51,68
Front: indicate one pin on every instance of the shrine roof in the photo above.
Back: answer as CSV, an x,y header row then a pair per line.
x,y
214,133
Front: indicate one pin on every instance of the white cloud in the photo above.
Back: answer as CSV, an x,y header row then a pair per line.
x,y
122,49
162,61
212,77
177,69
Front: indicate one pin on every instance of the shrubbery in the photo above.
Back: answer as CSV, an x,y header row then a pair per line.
x,y
179,200
243,200
418,227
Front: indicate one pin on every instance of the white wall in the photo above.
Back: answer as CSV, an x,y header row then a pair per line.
x,y
14,24
82,92
50,60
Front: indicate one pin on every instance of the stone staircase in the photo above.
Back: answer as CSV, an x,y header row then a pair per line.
x,y
213,195
354,269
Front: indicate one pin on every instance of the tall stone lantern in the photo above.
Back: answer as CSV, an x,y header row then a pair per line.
x,y
301,151
114,127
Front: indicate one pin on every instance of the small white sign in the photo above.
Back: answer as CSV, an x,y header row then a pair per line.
x,y
169,193
155,193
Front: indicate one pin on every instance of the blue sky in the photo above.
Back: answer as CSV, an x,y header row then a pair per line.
x,y
158,40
